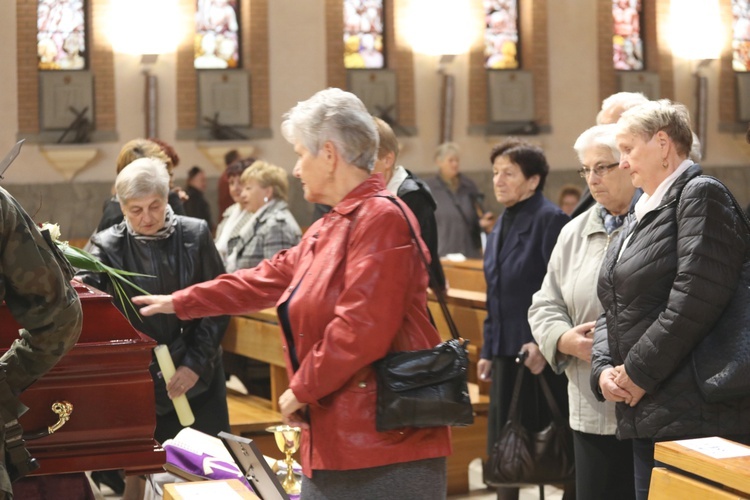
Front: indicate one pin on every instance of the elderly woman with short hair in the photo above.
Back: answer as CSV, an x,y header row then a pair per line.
x,y
172,251
131,151
350,292
460,216
664,283
272,226
563,313
518,250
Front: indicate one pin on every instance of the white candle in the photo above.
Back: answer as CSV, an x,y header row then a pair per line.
x,y
181,404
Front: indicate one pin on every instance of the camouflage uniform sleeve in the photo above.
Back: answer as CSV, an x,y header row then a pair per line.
x,y
38,295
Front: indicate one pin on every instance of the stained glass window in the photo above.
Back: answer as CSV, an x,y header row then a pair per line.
x,y
501,34
363,34
61,34
217,34
627,42
741,35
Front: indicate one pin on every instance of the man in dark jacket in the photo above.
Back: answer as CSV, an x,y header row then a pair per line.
x,y
414,192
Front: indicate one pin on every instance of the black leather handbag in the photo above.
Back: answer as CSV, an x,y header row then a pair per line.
x,y
721,361
428,387
520,456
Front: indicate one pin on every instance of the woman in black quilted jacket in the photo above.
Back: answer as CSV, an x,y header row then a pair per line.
x,y
664,283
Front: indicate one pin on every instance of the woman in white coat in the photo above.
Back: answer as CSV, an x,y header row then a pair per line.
x,y
565,309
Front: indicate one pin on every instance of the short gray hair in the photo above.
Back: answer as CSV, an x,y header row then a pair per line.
x,y
621,100
446,149
336,116
663,115
602,136
142,177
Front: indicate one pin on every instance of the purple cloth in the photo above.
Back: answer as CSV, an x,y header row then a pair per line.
x,y
203,465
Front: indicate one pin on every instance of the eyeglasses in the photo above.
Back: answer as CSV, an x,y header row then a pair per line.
x,y
600,170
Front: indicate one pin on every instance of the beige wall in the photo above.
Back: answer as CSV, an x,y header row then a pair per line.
x,y
297,48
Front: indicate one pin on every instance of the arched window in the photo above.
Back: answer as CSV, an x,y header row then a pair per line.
x,y
61,35
501,34
364,45
627,40
741,35
217,34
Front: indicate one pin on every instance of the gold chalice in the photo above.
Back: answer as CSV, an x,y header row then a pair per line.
x,y
287,439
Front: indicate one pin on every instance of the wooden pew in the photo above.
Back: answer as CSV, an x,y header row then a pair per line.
x,y
466,275
257,336
707,477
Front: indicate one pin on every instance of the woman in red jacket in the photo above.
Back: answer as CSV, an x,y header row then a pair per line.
x,y
350,292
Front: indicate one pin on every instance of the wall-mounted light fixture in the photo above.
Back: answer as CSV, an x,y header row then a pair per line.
x,y
444,28
146,28
696,35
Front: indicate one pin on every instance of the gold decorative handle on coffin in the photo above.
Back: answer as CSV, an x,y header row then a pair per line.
x,y
63,410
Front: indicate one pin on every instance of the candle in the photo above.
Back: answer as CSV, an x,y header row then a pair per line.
x,y
181,404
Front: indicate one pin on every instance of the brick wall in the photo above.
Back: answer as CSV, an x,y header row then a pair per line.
x,y
28,81
335,71
186,78
400,60
727,79
656,40
534,58
102,64
604,27
258,62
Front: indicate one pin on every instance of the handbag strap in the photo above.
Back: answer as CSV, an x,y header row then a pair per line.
x,y
548,396
438,293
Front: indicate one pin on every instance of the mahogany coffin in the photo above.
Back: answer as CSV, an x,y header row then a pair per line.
x,y
106,379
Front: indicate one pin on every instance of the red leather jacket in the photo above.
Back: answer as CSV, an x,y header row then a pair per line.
x,y
359,291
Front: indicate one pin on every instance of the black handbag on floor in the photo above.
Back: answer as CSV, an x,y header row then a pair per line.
x,y
721,361
425,388
520,456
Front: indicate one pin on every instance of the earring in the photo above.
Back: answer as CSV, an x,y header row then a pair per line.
x,y
265,199
664,164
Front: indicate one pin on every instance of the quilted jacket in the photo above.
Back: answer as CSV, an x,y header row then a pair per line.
x,y
669,286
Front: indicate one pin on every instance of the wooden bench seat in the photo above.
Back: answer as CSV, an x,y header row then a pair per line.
x,y
250,416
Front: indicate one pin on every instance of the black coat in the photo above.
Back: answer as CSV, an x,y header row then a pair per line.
x,y
516,272
417,196
669,286
197,206
188,256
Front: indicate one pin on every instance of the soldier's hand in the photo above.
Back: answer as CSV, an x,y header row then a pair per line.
x,y
154,304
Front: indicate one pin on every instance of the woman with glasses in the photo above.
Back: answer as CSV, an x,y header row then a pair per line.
x,y
515,261
564,311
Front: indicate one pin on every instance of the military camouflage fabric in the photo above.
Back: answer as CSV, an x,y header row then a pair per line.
x,y
39,296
